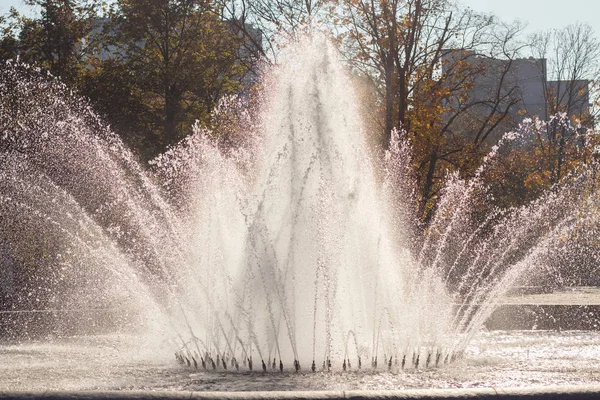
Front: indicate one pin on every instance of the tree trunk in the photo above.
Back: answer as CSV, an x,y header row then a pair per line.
x,y
402,100
170,116
427,186
389,100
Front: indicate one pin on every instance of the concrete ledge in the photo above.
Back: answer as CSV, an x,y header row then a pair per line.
x,y
533,393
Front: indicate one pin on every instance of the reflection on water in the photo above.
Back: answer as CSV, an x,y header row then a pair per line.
x,y
499,358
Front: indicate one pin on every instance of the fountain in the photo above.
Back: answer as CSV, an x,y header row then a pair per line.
x,y
289,250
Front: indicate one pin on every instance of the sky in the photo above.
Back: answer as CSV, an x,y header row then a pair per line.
x,y
539,14
5,6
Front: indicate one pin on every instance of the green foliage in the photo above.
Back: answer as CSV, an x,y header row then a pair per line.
x,y
179,57
152,68
53,40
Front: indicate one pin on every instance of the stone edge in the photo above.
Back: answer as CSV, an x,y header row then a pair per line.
x,y
532,393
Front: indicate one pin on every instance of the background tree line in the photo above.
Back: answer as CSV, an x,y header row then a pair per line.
x,y
153,67
150,67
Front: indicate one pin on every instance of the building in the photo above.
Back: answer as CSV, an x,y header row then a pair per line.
x,y
504,92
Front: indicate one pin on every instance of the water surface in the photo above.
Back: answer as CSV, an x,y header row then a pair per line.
x,y
109,362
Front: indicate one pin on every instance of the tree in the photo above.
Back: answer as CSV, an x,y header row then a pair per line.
x,y
181,56
573,55
9,44
163,65
152,68
113,90
275,21
424,56
54,39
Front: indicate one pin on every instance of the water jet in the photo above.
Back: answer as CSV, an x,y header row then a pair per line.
x,y
284,246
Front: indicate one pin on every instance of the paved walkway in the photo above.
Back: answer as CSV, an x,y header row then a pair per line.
x,y
564,297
